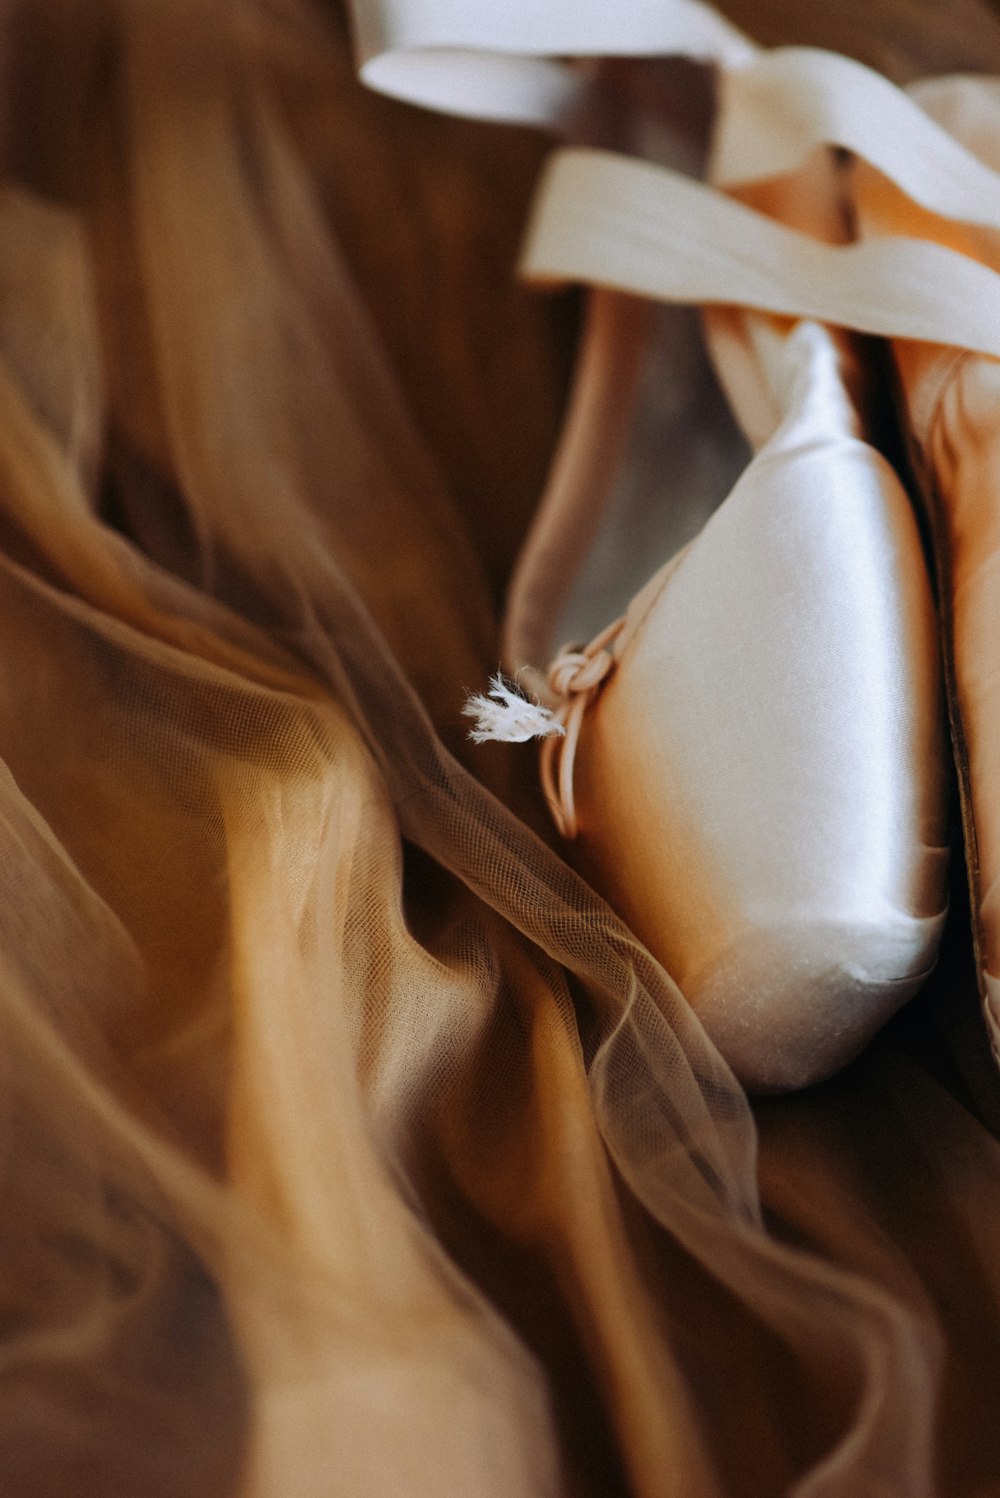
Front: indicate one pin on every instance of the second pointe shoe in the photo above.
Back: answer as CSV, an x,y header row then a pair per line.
x,y
952,402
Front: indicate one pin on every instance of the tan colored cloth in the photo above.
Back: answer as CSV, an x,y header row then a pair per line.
x,y
351,1145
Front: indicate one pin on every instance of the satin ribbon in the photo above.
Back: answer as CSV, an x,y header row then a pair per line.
x,y
502,62
612,221
617,223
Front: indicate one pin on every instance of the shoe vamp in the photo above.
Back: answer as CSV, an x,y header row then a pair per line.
x,y
769,755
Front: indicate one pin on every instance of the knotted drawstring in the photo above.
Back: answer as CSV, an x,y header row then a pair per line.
x,y
574,679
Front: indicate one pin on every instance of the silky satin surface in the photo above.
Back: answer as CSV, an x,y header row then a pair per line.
x,y
500,62
350,1144
761,782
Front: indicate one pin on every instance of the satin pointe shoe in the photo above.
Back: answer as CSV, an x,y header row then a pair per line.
x,y
752,762
927,280
751,757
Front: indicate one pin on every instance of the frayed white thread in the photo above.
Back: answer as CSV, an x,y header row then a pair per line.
x,y
506,717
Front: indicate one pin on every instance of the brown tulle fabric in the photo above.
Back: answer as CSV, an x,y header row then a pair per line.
x,y
351,1145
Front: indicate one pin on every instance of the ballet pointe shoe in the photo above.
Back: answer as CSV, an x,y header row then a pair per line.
x,y
751,762
759,782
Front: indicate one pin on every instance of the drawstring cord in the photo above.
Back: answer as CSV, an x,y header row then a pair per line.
x,y
575,677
